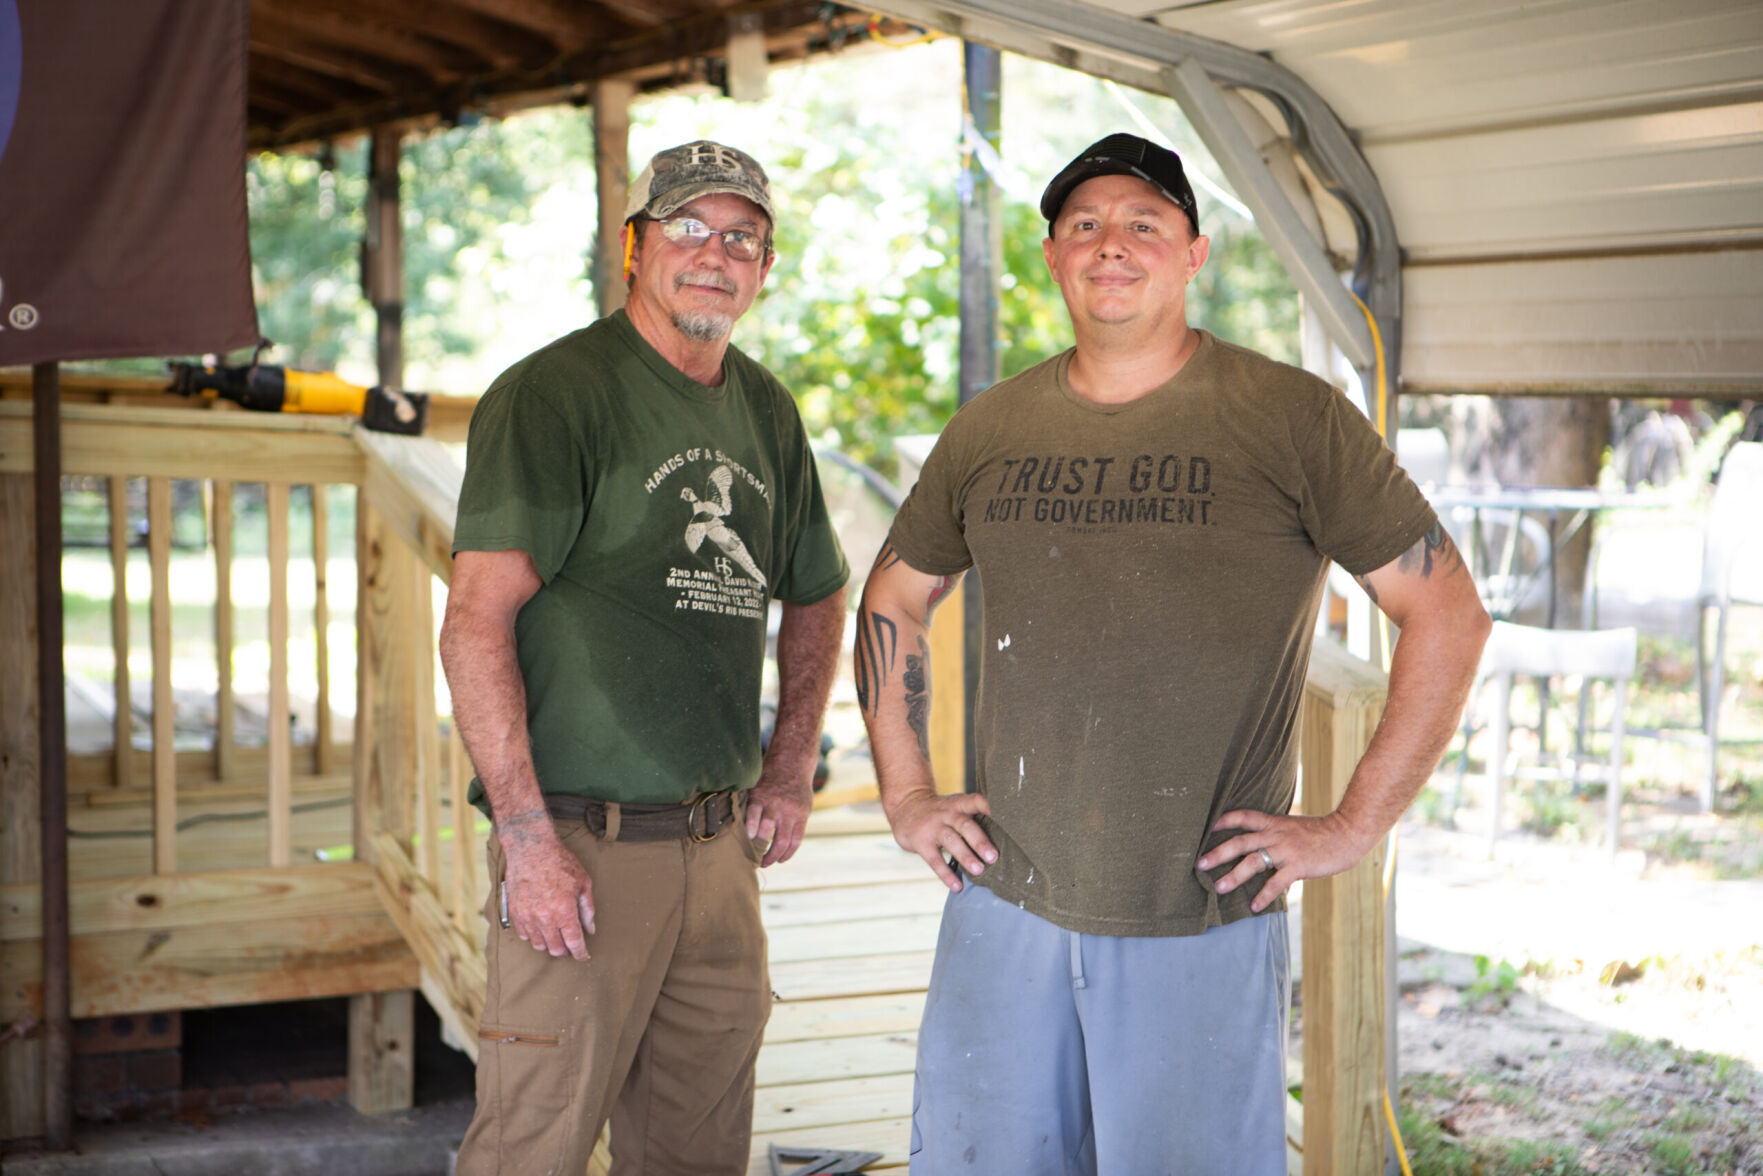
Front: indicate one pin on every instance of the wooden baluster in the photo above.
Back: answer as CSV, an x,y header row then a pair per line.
x,y
224,710
165,798
123,737
465,863
321,620
428,731
281,785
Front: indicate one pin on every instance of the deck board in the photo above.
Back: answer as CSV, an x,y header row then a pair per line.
x,y
853,922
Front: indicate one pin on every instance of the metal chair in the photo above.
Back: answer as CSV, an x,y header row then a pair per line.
x,y
1732,574
1548,653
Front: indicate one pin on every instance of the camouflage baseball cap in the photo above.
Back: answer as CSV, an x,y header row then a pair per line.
x,y
680,175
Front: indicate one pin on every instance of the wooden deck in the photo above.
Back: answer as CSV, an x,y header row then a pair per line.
x,y
853,924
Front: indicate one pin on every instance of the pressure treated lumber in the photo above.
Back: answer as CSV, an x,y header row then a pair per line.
x,y
122,718
1343,939
165,781
206,964
173,443
153,902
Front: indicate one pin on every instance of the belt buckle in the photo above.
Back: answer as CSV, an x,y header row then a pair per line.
x,y
699,816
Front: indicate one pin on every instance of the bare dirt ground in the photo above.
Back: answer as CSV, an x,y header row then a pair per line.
x,y
1562,1012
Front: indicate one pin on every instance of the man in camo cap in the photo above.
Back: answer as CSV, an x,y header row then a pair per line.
x,y
636,494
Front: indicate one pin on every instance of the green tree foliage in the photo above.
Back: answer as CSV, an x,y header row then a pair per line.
x,y
459,189
870,360
860,318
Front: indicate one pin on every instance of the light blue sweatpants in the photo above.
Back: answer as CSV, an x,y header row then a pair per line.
x,y
1044,1051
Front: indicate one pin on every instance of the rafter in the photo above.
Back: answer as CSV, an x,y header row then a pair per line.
x,y
283,43
404,46
501,43
319,89
567,25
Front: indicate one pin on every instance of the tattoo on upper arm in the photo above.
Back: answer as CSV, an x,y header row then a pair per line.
x,y
877,642
1434,552
886,558
1365,583
917,681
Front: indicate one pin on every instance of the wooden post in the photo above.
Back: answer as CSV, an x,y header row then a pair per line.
x,y
224,709
281,783
165,768
123,727
52,759
948,694
383,273
322,740
1343,967
612,178
380,1074
382,1060
21,862
982,254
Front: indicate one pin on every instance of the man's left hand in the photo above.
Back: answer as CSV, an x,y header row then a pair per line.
x,y
1295,848
777,809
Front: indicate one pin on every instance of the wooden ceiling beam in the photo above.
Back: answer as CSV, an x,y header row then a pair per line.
x,y
793,29
567,25
279,102
321,28
319,89
503,44
371,73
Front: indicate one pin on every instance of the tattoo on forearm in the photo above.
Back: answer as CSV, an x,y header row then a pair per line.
x,y
1434,552
917,682
877,642
523,828
942,588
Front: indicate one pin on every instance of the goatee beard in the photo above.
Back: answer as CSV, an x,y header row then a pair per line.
x,y
702,326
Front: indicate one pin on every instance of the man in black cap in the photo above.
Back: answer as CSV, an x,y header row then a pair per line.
x,y
605,663
1152,513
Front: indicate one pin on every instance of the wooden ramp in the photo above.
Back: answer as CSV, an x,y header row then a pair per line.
x,y
853,924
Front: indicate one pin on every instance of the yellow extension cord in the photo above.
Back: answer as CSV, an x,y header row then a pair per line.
x,y
1389,866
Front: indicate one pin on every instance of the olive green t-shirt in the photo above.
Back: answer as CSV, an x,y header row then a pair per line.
x,y
1150,573
662,516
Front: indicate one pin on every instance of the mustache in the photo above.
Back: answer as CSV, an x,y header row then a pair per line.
x,y
705,278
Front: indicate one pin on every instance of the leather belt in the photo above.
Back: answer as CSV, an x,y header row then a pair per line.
x,y
699,819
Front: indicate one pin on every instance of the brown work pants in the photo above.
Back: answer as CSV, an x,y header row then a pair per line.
x,y
658,1029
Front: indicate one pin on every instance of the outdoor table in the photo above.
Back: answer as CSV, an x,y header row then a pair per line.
x,y
1563,510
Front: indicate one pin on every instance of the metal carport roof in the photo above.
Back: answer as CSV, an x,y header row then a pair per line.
x,y
1576,186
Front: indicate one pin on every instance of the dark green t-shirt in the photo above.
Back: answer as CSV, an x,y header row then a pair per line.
x,y
662,516
1150,573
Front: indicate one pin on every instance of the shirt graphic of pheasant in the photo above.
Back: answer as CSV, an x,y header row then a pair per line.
x,y
707,522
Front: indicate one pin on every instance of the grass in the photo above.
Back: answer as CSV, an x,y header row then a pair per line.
x,y
1434,1151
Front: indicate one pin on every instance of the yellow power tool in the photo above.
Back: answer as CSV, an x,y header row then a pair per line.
x,y
266,388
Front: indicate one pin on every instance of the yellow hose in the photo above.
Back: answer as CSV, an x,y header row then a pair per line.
x,y
1389,865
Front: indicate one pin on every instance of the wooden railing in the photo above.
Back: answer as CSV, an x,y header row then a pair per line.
x,y
196,875
263,919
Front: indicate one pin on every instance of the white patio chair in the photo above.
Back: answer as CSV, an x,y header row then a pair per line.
x,y
1732,574
1549,653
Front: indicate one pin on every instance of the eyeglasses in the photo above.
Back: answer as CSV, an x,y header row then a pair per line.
x,y
691,233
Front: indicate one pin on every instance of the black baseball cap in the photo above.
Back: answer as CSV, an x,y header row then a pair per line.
x,y
1123,155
